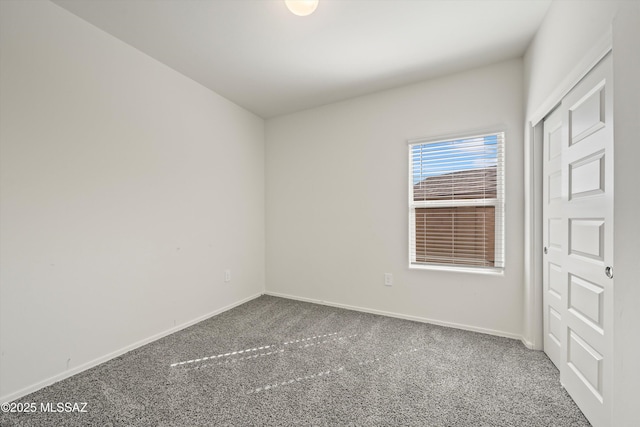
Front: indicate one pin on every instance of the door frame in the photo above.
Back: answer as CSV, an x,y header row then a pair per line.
x,y
532,334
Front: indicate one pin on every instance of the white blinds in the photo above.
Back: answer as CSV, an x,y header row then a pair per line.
x,y
456,202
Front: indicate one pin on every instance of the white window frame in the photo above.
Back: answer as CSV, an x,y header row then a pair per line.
x,y
498,203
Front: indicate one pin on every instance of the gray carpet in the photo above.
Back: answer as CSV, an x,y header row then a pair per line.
x,y
279,362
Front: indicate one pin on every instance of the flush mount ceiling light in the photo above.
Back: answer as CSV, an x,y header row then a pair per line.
x,y
301,7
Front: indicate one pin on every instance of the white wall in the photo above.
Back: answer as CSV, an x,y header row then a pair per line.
x,y
626,81
569,30
565,41
337,215
126,190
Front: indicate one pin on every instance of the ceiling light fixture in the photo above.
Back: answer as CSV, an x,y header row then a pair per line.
x,y
301,7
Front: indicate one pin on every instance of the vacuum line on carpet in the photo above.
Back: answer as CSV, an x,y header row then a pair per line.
x,y
265,347
322,374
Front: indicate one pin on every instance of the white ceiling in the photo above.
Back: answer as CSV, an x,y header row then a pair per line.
x,y
271,62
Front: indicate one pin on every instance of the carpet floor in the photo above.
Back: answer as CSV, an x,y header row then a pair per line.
x,y
279,362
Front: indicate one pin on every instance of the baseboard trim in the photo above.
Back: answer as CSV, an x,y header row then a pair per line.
x,y
403,316
95,362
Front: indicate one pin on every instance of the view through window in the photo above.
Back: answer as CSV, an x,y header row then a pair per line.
x,y
456,202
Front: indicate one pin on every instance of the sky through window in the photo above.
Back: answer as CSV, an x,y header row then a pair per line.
x,y
443,157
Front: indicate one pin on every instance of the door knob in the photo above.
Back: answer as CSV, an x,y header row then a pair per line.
x,y
545,250
609,272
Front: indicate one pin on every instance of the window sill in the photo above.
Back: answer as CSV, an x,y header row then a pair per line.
x,y
472,270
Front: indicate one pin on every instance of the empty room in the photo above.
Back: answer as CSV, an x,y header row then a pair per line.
x,y
319,212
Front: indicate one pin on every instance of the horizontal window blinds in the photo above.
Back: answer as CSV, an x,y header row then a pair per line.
x,y
457,202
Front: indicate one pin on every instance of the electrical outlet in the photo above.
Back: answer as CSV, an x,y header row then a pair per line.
x,y
227,275
388,279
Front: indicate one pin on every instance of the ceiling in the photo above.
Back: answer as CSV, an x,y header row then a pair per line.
x,y
271,62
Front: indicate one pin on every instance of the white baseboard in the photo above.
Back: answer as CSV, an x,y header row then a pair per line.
x,y
403,316
95,362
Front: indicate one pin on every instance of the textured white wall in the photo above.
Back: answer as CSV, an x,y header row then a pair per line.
x,y
126,190
337,200
566,38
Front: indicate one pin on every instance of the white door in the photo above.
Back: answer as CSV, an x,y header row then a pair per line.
x,y
554,293
578,272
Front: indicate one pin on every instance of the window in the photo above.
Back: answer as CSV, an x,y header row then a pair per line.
x,y
456,202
